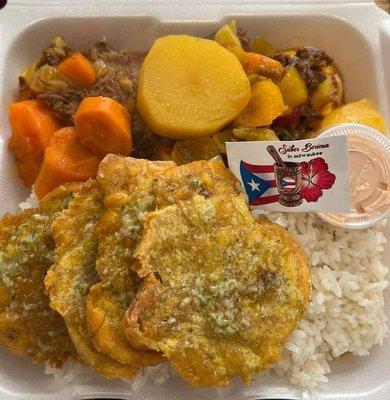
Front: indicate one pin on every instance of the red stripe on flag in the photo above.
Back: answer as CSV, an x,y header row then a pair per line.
x,y
272,183
258,168
265,200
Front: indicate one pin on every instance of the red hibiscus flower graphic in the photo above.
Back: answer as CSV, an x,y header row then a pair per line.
x,y
315,178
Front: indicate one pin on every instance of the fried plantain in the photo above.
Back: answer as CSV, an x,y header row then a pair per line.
x,y
126,186
73,273
131,188
221,291
206,178
28,326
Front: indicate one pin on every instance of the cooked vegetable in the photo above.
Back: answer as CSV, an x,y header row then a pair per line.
x,y
186,151
190,87
43,75
146,144
293,88
287,52
116,77
358,112
265,104
104,126
291,118
28,73
228,38
46,78
255,65
218,159
293,132
261,46
254,134
329,93
263,66
54,53
310,63
78,69
32,126
66,160
252,63
163,152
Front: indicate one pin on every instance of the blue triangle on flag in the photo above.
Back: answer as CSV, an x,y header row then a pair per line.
x,y
254,186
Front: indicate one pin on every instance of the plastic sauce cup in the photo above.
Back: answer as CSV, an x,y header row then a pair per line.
x,y
369,177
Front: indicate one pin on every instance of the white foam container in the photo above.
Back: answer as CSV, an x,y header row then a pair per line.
x,y
356,33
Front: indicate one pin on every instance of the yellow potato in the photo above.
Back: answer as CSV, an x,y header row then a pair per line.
x,y
190,87
293,88
227,37
329,94
358,112
265,105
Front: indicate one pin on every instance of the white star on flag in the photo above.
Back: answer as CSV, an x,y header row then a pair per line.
x,y
254,185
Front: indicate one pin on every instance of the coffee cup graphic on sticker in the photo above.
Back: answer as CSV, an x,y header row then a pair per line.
x,y
288,178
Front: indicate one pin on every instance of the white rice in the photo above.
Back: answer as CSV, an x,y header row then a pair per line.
x,y
31,202
346,313
157,374
72,371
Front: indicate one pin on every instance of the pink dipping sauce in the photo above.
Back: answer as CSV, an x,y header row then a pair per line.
x,y
369,177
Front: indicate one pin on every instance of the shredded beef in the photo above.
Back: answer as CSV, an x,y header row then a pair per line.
x,y
316,56
145,141
64,104
310,62
54,53
25,93
117,79
244,40
291,132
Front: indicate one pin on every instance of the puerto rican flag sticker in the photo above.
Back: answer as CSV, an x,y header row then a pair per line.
x,y
259,182
305,175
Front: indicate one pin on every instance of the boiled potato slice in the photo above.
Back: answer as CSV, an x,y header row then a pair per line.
x,y
293,88
358,112
190,87
265,105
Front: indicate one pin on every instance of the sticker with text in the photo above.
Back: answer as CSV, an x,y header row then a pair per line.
x,y
302,175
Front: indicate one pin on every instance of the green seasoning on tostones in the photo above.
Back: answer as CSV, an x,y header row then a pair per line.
x,y
132,187
73,273
28,326
126,186
221,291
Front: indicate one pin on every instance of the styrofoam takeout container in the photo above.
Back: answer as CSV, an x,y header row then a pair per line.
x,y
356,33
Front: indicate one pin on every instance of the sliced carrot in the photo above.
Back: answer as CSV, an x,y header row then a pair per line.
x,y
66,160
104,126
78,69
262,65
32,126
